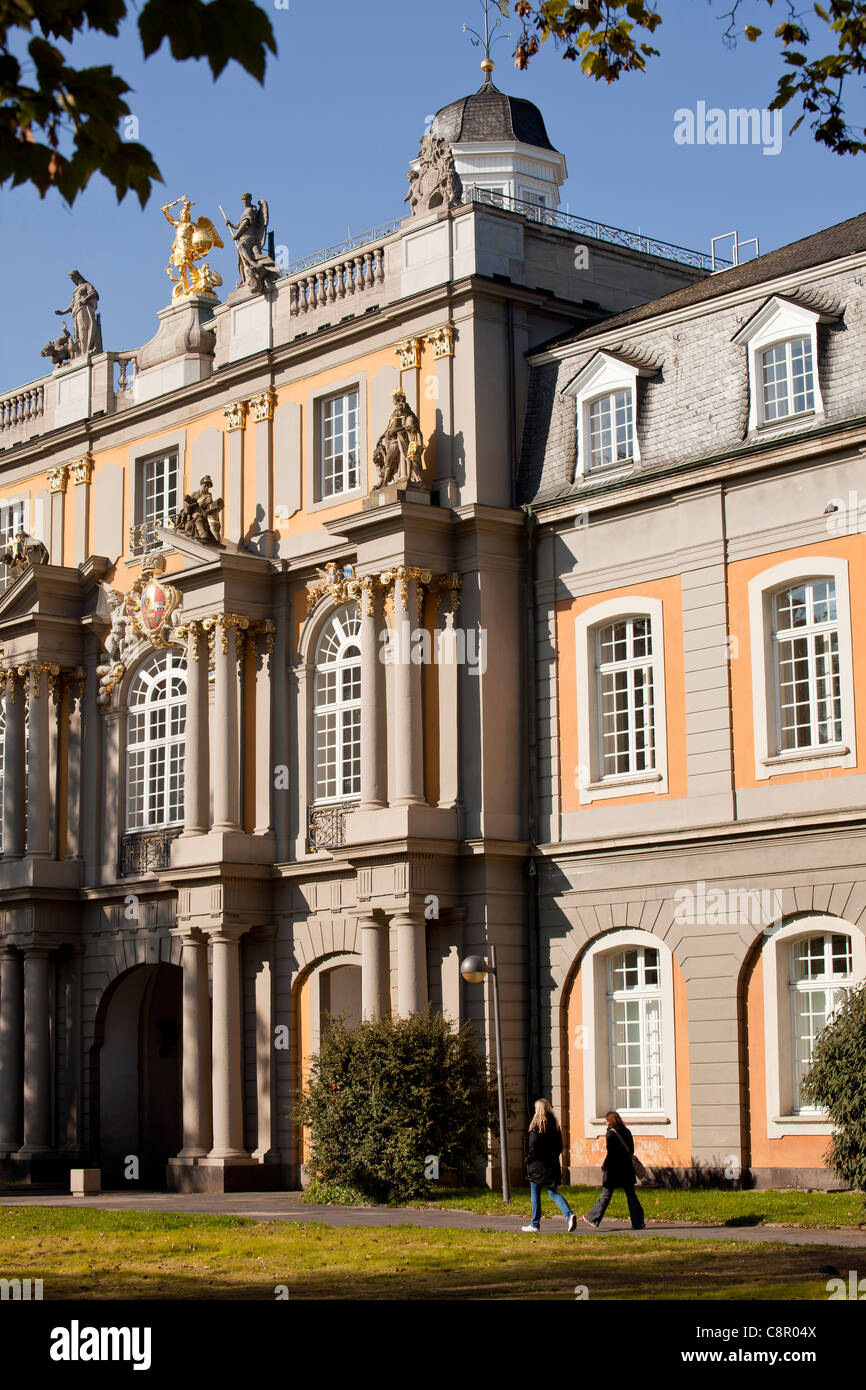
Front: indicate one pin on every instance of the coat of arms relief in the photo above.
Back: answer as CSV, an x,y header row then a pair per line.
x,y
148,610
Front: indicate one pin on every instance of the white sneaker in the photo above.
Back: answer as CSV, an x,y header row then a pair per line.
x,y
572,1223
530,1230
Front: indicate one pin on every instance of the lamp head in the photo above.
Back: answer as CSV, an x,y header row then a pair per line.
x,y
473,969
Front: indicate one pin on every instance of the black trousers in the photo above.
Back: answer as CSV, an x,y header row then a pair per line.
x,y
635,1210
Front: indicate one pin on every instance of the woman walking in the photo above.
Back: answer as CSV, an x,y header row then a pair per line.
x,y
617,1171
542,1165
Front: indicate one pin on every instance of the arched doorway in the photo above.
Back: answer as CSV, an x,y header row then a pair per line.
x,y
138,1062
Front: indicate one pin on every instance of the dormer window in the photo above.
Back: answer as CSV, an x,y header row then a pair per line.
x,y
611,433
605,396
787,379
781,342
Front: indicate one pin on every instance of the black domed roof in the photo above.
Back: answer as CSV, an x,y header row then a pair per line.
x,y
488,115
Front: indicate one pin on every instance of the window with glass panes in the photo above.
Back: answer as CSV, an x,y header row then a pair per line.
x,y
159,494
808,687
787,380
821,971
339,444
625,697
635,1023
2,766
155,743
611,437
337,707
11,522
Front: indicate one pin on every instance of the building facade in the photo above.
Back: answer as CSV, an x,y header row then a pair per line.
x,y
693,469
301,667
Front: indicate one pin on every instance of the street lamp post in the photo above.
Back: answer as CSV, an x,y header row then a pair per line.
x,y
473,969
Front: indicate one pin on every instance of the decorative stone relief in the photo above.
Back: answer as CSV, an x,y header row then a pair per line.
x,y
82,469
22,552
263,405
435,185
235,415
58,478
409,353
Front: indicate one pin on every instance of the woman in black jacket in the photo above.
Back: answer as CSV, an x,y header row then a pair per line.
x,y
617,1171
542,1165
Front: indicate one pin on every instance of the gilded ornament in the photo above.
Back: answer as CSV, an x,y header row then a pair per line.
x,y
263,405
409,353
235,415
442,341
57,479
192,242
82,469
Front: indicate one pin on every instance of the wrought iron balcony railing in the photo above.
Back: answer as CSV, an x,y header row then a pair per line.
x,y
326,825
143,537
145,851
584,226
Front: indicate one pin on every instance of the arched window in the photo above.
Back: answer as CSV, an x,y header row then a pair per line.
x,y
337,706
155,743
635,1012
821,973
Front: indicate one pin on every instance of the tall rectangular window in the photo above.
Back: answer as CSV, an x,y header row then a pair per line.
x,y
819,966
157,503
635,1021
611,429
787,379
339,445
625,697
806,638
11,522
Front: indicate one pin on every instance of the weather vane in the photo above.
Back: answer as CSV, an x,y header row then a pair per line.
x,y
487,40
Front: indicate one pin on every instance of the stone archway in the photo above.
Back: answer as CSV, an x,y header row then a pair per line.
x,y
138,1074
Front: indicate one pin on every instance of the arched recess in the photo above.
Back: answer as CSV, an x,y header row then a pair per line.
x,y
331,985
600,1014
787,980
135,1073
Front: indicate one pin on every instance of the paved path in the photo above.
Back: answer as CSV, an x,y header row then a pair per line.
x,y
287,1206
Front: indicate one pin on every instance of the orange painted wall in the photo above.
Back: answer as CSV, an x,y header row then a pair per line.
x,y
740,572
653,1151
669,592
792,1150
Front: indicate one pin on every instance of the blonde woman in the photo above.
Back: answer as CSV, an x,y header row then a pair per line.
x,y
542,1165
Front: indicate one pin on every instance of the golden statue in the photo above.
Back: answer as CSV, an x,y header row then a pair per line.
x,y
192,241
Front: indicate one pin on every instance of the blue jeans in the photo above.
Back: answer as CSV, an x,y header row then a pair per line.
x,y
535,1192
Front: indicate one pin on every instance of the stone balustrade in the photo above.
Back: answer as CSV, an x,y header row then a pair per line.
x,y
327,284
22,406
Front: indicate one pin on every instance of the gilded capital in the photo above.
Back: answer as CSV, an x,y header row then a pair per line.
x,y
82,469
442,341
263,405
58,478
409,353
236,415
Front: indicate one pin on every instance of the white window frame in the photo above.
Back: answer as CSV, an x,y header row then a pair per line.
x,y
596,1050
316,500
763,587
592,786
778,321
147,671
781,1116
604,375
13,514
641,995
337,707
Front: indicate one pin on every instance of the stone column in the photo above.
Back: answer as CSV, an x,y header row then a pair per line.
x,y
37,1051
42,677
14,767
265,1150
411,928
375,967
408,728
226,758
11,1050
196,791
75,686
374,772
228,1120
263,655
196,1062
447,653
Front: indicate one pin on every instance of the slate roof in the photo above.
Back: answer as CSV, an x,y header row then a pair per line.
x,y
843,239
488,115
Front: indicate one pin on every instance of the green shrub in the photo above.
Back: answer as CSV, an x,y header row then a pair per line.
x,y
322,1193
386,1094
836,1081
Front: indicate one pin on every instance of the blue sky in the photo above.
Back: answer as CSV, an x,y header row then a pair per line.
x,y
329,138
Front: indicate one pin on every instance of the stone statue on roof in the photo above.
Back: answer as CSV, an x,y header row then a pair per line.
x,y
257,269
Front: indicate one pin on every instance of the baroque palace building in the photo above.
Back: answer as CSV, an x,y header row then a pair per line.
x,y
469,583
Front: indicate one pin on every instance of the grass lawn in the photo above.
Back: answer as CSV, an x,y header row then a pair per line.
x,y
715,1208
105,1254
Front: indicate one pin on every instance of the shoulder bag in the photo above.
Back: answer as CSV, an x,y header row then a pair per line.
x,y
639,1170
